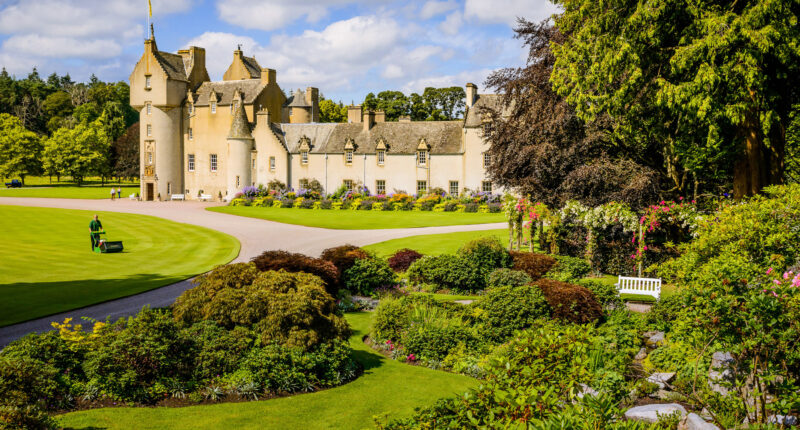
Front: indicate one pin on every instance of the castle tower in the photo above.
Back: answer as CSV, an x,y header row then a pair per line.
x,y
240,147
158,88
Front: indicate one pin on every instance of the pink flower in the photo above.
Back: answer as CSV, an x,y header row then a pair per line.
x,y
645,247
777,282
786,275
769,270
775,294
411,357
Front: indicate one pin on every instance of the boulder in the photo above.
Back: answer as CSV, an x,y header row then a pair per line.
x,y
641,355
654,338
585,389
721,359
787,420
661,379
651,413
695,422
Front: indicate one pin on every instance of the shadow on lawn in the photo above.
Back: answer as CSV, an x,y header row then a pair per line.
x,y
25,301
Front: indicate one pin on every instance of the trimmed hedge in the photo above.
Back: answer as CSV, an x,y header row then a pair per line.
x,y
294,263
401,260
535,265
570,302
507,308
450,272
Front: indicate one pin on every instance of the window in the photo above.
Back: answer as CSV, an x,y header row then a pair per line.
x,y
253,163
486,186
147,82
169,188
149,158
348,183
271,163
237,181
422,158
381,156
213,158
149,129
422,187
191,136
454,188
380,186
487,160
149,108
348,157
213,107
304,183
191,108
488,126
190,162
304,157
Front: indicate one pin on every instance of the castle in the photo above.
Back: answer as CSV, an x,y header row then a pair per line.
x,y
200,137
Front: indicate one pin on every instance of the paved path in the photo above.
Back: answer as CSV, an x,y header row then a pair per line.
x,y
255,236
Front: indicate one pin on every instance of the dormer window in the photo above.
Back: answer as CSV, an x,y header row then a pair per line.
x,y
349,147
304,157
422,153
381,156
380,151
147,82
305,147
213,107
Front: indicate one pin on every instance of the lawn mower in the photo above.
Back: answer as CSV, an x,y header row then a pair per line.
x,y
107,246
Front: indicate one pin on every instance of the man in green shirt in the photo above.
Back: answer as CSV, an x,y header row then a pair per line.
x,y
94,227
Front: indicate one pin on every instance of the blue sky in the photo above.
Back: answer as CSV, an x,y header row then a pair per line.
x,y
346,48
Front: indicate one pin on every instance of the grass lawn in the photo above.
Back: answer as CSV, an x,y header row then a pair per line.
x,y
434,244
359,220
91,188
386,387
48,266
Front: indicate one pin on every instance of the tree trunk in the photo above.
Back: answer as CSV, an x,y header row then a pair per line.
x,y
22,179
759,165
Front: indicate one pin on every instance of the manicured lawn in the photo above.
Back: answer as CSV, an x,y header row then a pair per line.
x,y
386,387
48,266
91,188
434,244
359,220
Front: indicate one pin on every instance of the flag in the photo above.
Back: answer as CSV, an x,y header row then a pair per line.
x,y
150,7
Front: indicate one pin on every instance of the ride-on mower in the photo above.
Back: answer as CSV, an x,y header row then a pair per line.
x,y
106,246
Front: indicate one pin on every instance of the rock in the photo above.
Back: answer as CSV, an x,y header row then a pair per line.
x,y
661,379
663,395
722,359
651,413
585,389
715,379
641,355
787,420
695,422
464,302
654,339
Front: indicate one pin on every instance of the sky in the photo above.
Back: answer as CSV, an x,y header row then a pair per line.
x,y
346,48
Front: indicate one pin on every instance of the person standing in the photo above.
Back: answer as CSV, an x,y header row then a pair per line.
x,y
113,193
95,227
119,192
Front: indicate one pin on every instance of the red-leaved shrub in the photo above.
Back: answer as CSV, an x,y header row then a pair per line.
x,y
402,259
535,265
343,257
293,262
570,302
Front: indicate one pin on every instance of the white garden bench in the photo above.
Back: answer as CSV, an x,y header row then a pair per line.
x,y
206,197
132,197
642,286
177,197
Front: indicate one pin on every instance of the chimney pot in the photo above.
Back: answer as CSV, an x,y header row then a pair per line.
x,y
472,94
369,120
354,114
380,116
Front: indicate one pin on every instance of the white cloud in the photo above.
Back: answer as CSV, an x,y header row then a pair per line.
x,y
434,8
275,14
452,24
61,47
453,80
507,11
392,71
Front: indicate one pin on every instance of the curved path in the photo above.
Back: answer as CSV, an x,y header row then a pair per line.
x,y
255,236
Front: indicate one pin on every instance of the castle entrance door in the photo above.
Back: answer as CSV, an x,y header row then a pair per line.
x,y
148,194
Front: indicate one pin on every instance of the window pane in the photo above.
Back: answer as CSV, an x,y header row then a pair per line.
x,y
380,186
454,188
486,187
422,187
190,162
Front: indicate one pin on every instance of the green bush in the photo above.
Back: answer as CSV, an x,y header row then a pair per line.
x,y
28,382
505,309
291,309
568,269
485,254
605,293
447,272
48,348
507,277
666,309
217,351
135,354
435,342
368,274
294,262
25,418
390,319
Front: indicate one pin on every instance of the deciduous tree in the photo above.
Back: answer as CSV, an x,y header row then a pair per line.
x,y
20,149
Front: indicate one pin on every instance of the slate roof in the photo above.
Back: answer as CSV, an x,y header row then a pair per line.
x,y
240,127
473,118
252,66
225,90
443,137
298,99
172,64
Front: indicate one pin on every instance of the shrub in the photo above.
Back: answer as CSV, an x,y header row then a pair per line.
x,y
401,260
434,341
535,265
507,308
293,262
29,417
390,319
568,269
28,382
48,348
486,253
570,302
367,275
216,350
343,257
291,309
605,293
135,353
507,277
448,272
668,308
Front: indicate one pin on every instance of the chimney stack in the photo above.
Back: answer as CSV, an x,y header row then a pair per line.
x,y
472,94
312,98
369,120
354,113
268,76
404,118
380,116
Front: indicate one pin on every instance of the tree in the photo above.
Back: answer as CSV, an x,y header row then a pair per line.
x,y
542,149
712,83
394,103
125,153
332,112
20,149
57,104
77,152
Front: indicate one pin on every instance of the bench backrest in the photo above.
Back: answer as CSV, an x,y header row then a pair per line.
x,y
644,286
177,197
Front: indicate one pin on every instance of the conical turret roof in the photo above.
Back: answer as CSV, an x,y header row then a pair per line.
x,y
240,127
